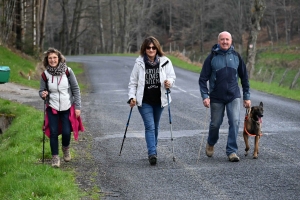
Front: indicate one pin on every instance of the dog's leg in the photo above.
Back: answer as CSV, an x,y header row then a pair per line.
x,y
246,143
255,153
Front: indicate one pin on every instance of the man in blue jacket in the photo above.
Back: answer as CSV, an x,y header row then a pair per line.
x,y
222,68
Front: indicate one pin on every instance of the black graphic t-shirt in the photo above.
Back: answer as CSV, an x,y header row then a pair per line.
x,y
152,85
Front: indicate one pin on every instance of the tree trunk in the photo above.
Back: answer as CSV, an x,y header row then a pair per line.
x,y
64,34
256,17
121,27
34,19
42,24
24,19
201,21
18,25
37,21
112,28
100,27
7,20
286,23
275,25
72,45
125,33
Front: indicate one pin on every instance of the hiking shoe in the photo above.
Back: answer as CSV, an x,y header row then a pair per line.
x,y
233,157
55,161
66,152
209,150
152,159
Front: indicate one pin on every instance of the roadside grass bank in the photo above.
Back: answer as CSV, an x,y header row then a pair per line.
x,y
22,174
22,66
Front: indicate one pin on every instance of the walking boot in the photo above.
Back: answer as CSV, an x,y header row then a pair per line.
x,y
66,152
209,150
55,161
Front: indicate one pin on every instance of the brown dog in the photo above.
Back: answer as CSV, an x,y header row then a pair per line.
x,y
252,127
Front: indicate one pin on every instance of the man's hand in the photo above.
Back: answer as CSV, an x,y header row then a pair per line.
x,y
206,102
247,103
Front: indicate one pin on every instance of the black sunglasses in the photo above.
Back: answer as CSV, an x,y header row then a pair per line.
x,y
153,48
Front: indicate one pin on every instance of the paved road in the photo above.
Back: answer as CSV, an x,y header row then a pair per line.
x,y
274,175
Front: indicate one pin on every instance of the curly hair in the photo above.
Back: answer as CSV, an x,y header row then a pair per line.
x,y
61,58
155,42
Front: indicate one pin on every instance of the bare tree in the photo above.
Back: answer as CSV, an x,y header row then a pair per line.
x,y
112,28
100,27
7,19
64,34
258,9
42,24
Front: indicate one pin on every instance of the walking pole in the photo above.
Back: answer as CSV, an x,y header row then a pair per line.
x,y
44,128
170,120
205,125
126,130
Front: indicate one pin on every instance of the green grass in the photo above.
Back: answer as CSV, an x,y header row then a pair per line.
x,y
23,65
272,88
21,172
184,65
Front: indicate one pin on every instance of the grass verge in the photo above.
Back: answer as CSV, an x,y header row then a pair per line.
x,y
22,174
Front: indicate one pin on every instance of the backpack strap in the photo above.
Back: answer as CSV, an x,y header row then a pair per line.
x,y
68,73
46,79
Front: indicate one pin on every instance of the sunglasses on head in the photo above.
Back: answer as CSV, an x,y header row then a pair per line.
x,y
153,48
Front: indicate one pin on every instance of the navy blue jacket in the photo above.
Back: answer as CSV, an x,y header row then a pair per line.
x,y
223,69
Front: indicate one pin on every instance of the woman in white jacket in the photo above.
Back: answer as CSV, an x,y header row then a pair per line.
x,y
61,91
152,74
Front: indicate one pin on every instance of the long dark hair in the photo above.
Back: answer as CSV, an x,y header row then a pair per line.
x,y
155,42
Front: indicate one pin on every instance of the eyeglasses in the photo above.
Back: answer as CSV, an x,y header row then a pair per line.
x,y
153,48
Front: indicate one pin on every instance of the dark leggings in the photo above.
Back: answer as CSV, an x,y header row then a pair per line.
x,y
54,119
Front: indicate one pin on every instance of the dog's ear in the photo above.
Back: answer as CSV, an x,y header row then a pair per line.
x,y
261,104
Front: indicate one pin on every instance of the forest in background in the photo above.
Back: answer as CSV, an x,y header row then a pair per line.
x,y
190,27
119,26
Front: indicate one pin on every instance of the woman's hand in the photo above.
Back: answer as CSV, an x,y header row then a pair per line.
x,y
77,113
167,84
44,94
132,103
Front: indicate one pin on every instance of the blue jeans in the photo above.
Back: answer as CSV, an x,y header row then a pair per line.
x,y
217,114
151,115
54,119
